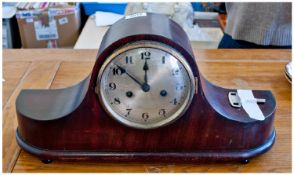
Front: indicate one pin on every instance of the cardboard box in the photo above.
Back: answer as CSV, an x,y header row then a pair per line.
x,y
49,28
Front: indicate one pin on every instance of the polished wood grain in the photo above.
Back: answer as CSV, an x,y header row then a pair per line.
x,y
12,74
233,74
31,80
215,55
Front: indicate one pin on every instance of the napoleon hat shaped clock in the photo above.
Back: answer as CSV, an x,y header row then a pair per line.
x,y
145,100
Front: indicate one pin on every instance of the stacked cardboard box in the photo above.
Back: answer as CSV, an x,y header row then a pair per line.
x,y
48,25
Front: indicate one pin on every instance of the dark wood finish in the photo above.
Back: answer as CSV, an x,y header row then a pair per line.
x,y
142,157
71,123
233,68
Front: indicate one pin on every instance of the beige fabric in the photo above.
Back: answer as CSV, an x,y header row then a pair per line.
x,y
260,23
182,13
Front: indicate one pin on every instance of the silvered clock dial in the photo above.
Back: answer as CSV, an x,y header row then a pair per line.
x,y
145,85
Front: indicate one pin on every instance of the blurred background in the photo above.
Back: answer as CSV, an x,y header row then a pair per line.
x,y
82,25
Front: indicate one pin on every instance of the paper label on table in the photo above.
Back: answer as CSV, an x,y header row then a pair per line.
x,y
135,15
250,106
46,32
106,18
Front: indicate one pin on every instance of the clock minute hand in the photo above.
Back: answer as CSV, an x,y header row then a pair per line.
x,y
131,76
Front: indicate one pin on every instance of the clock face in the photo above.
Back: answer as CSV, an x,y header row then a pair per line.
x,y
145,85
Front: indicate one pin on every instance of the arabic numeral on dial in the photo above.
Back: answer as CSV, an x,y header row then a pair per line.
x,y
129,60
112,86
145,55
175,102
116,101
128,112
163,60
179,87
162,112
175,72
117,71
145,116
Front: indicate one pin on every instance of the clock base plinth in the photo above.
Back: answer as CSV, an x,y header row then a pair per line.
x,y
178,157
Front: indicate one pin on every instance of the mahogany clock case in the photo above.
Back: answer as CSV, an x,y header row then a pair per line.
x,y
71,123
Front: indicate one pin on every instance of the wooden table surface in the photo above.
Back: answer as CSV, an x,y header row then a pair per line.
x,y
44,69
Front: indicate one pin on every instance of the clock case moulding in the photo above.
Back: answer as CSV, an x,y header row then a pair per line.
x,y
71,124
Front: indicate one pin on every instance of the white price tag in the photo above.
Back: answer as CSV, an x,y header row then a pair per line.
x,y
250,106
135,15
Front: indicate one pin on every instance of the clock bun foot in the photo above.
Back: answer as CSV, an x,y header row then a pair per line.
x,y
46,161
245,161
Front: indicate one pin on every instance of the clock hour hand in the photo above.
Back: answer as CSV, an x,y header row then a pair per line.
x,y
145,68
145,86
133,78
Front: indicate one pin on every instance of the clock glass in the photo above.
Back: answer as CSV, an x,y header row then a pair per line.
x,y
145,85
